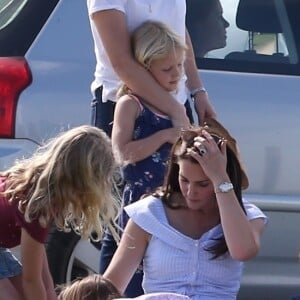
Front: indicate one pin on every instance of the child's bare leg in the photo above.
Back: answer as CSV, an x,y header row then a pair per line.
x,y
17,283
9,291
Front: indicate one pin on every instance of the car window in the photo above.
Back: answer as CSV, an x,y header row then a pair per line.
x,y
245,35
9,9
20,23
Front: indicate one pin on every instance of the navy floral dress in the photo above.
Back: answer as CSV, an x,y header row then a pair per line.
x,y
146,175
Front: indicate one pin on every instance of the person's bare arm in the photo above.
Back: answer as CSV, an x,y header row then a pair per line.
x,y
242,236
47,279
201,101
112,28
128,256
33,255
129,150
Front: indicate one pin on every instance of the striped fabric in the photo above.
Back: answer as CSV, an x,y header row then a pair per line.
x,y
176,263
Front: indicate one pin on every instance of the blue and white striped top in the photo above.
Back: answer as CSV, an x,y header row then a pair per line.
x,y
177,263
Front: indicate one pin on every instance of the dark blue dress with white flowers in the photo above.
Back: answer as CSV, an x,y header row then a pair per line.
x,y
146,175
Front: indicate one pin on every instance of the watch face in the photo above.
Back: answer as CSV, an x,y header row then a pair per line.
x,y
225,187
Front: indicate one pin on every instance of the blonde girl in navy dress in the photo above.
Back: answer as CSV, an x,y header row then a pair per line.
x,y
142,136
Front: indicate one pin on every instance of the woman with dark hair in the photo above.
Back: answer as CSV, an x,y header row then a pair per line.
x,y
206,25
195,232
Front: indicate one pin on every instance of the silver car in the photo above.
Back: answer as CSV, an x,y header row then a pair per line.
x,y
47,65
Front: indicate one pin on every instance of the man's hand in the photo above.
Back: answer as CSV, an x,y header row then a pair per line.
x,y
204,107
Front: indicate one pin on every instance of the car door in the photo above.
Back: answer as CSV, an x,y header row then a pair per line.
x,y
253,81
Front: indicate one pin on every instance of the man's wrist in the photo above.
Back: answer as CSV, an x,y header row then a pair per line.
x,y
198,90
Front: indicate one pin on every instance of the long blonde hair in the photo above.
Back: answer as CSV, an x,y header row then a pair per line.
x,y
70,180
150,41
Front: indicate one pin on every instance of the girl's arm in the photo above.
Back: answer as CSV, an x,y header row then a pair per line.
x,y
128,256
47,279
201,101
33,256
126,112
112,28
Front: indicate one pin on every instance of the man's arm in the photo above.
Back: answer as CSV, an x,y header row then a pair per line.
x,y
111,26
201,101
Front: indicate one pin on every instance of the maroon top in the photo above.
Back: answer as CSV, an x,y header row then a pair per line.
x,y
11,222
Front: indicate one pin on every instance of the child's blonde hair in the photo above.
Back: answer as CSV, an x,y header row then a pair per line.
x,y
92,287
150,41
69,181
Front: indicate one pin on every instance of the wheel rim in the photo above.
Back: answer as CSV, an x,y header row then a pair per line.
x,y
84,260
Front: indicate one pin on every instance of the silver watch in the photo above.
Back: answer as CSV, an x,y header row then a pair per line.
x,y
224,187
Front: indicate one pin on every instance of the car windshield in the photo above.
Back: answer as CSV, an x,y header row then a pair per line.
x,y
9,9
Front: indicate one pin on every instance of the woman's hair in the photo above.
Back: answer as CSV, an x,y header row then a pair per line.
x,y
70,180
150,41
180,151
92,287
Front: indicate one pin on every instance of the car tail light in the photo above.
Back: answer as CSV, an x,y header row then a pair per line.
x,y
15,76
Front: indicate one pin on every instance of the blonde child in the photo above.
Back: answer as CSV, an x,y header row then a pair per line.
x,y
68,183
142,136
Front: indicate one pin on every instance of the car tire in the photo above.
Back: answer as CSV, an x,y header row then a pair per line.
x,y
70,257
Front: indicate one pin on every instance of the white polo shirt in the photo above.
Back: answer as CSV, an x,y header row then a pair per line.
x,y
170,12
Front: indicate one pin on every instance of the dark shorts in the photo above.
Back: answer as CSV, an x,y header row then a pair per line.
x,y
103,112
9,264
